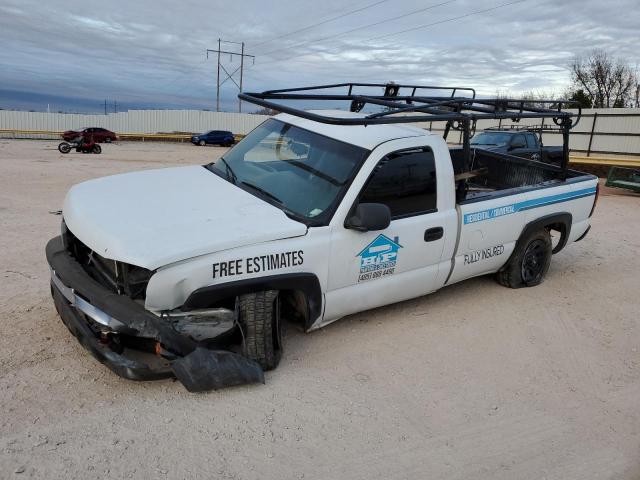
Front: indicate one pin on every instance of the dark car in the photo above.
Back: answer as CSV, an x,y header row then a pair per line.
x,y
100,135
216,137
518,142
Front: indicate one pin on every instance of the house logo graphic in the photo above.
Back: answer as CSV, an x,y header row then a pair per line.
x,y
378,258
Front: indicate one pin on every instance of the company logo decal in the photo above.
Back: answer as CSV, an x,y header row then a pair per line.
x,y
526,205
379,258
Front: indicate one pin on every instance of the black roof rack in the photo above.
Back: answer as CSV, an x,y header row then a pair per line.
x,y
420,103
426,100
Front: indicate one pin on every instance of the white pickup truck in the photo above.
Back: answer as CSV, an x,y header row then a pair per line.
x,y
188,271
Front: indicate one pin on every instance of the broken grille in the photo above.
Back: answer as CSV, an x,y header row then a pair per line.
x,y
119,277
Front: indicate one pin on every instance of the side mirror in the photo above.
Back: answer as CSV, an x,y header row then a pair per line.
x,y
369,217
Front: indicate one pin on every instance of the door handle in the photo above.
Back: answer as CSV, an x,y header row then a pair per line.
x,y
433,234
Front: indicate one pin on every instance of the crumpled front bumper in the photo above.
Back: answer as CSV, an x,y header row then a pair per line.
x,y
73,317
86,307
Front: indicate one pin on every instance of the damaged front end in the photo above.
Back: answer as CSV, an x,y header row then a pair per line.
x,y
101,303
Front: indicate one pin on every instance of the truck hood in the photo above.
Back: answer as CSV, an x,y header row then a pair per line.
x,y
157,217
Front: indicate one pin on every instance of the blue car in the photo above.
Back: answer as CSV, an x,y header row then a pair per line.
x,y
217,137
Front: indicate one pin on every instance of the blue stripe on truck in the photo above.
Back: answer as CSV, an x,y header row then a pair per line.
x,y
526,205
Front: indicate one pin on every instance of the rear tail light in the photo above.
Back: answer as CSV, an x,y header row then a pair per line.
x,y
595,200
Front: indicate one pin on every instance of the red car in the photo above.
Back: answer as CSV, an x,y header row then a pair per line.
x,y
99,135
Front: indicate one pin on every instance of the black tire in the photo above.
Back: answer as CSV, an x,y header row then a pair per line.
x,y
97,149
202,143
259,318
107,140
64,147
530,262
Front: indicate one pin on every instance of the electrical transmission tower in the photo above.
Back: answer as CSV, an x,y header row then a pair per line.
x,y
229,76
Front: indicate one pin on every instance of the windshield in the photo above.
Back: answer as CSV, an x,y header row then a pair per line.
x,y
491,138
302,172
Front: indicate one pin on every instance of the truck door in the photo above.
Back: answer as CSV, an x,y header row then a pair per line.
x,y
534,147
369,269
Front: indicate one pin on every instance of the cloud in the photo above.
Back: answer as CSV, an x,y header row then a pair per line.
x,y
153,52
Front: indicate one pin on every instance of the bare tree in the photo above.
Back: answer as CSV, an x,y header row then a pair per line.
x,y
539,99
534,98
607,81
266,111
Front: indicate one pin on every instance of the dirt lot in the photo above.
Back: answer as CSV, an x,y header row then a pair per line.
x,y
475,381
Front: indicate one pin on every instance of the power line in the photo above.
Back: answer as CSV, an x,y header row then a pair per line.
x,y
444,21
337,17
420,10
476,12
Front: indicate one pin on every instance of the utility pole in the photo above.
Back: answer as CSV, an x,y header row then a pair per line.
x,y
115,106
218,84
105,106
241,69
229,76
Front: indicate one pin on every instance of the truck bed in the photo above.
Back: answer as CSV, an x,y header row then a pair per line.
x,y
499,174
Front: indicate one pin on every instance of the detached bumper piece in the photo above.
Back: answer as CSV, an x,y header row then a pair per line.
x,y
205,369
96,316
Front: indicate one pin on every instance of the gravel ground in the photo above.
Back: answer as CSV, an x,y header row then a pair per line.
x,y
475,381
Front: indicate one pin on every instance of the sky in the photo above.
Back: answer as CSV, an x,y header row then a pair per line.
x,y
72,55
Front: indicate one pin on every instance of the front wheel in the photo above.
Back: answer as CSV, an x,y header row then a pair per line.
x,y
202,143
96,149
259,319
64,147
530,262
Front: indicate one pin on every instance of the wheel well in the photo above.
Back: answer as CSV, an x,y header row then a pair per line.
x,y
562,229
301,293
560,222
295,306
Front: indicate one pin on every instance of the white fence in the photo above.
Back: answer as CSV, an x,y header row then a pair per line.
x,y
615,131
134,121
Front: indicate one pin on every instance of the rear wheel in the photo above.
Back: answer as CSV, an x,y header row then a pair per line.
x,y
259,318
107,140
64,147
529,263
96,149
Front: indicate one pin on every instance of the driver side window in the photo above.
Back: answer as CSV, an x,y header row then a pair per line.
x,y
518,141
405,182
